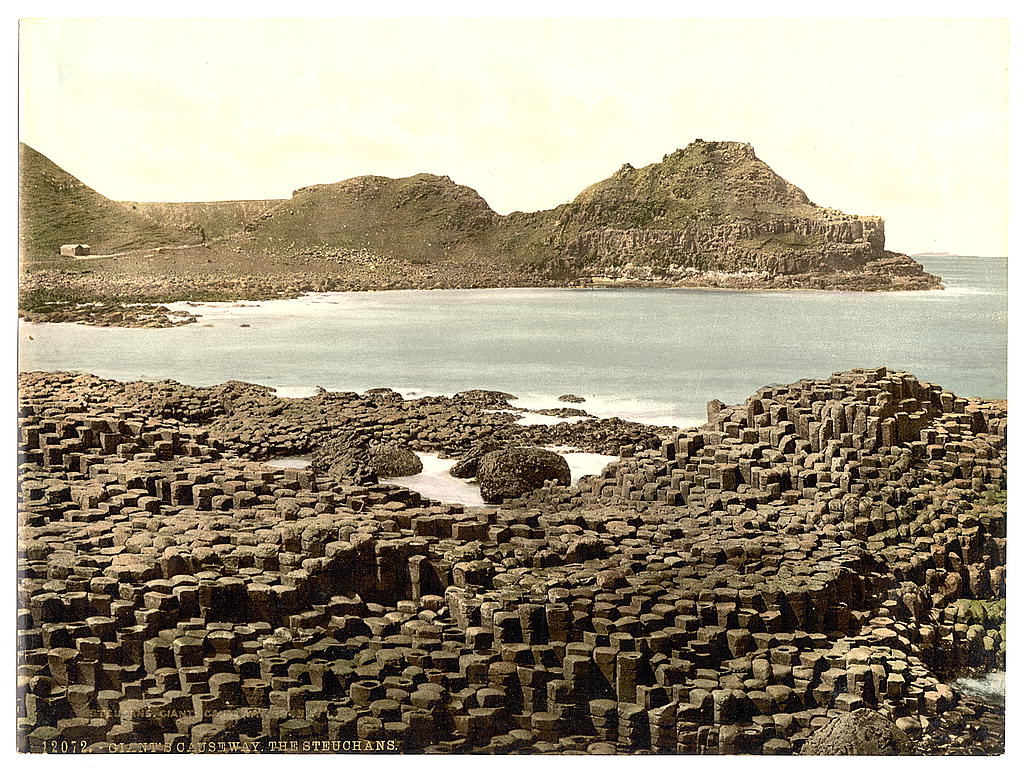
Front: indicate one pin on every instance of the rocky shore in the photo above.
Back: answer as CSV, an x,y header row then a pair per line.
x,y
136,315
109,296
145,299
895,273
828,549
140,287
711,215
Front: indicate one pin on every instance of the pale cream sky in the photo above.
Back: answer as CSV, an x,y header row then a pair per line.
x,y
901,119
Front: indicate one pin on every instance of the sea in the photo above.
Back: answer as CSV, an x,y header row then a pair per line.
x,y
651,355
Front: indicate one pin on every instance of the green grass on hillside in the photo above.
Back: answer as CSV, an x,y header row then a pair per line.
x,y
57,208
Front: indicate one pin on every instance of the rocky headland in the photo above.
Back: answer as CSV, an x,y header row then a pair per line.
x,y
807,572
709,215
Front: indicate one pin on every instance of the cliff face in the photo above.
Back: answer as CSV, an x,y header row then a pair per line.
x,y
207,221
775,246
710,214
714,209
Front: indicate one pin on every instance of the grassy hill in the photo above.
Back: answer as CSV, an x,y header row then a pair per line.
x,y
56,208
720,182
419,218
710,212
208,221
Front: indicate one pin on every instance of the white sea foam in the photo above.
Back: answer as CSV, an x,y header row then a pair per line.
x,y
415,392
582,463
644,411
311,303
297,463
219,309
527,418
991,686
435,482
939,294
296,392
327,303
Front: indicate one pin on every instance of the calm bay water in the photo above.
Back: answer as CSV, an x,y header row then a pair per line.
x,y
654,355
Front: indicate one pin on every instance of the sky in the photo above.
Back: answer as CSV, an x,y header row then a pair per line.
x,y
907,120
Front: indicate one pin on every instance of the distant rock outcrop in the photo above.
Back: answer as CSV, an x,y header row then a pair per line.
x,y
711,209
418,218
711,214
571,398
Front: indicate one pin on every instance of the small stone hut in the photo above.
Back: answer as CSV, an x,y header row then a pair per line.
x,y
75,250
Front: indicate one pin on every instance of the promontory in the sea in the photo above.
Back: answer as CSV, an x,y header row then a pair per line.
x,y
709,215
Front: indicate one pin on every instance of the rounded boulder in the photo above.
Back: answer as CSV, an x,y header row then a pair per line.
x,y
861,732
393,461
513,472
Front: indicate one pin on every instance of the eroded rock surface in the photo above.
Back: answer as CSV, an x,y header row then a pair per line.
x,y
816,551
858,733
391,460
515,472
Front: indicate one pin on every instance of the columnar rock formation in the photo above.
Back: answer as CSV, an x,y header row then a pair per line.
x,y
715,209
730,589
